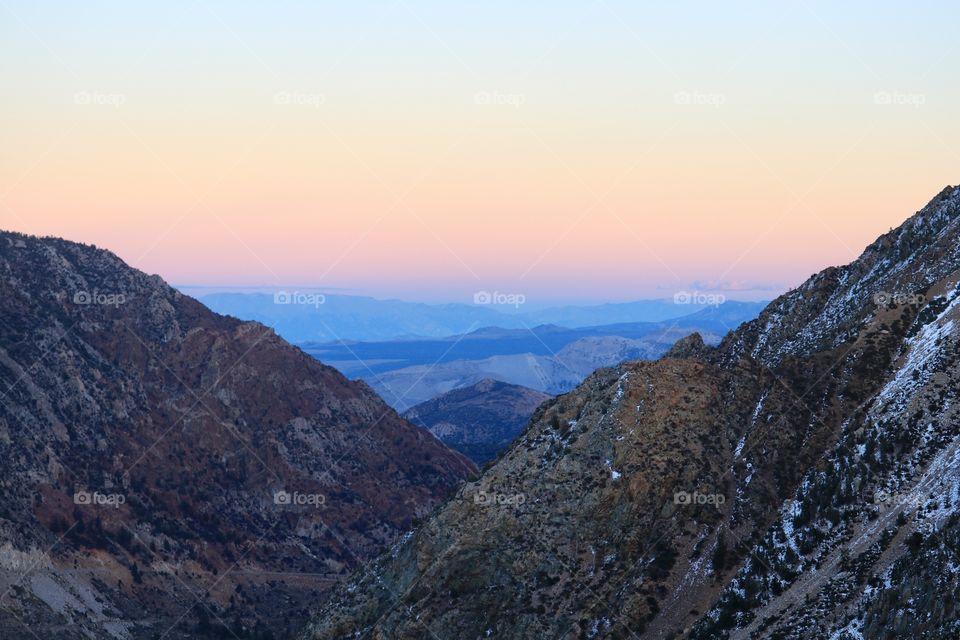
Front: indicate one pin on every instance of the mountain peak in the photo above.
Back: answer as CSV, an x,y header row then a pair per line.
x,y
692,346
827,309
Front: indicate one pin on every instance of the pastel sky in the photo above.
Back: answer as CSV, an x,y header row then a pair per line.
x,y
595,150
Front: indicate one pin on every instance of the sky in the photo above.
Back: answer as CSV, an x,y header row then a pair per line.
x,y
565,151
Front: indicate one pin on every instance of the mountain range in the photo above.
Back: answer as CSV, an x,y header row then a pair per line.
x,y
312,315
798,480
545,358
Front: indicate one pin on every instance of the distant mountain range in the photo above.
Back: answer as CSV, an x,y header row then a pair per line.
x,y
360,358
546,358
314,316
551,374
480,420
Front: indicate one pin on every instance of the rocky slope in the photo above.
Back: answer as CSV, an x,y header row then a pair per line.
x,y
170,472
800,480
481,420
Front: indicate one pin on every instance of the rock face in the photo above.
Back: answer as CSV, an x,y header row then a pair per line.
x,y
800,480
481,420
170,472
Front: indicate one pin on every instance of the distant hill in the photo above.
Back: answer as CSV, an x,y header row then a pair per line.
x,y
480,420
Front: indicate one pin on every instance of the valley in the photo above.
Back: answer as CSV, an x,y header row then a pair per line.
x,y
479,321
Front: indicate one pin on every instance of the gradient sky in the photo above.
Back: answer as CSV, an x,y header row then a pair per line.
x,y
426,150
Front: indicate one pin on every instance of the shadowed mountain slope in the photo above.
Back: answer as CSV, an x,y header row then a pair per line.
x,y
170,472
797,481
480,420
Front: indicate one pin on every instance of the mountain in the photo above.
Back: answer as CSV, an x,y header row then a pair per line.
x,y
170,472
480,420
547,358
800,480
552,374
575,316
363,359
314,316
